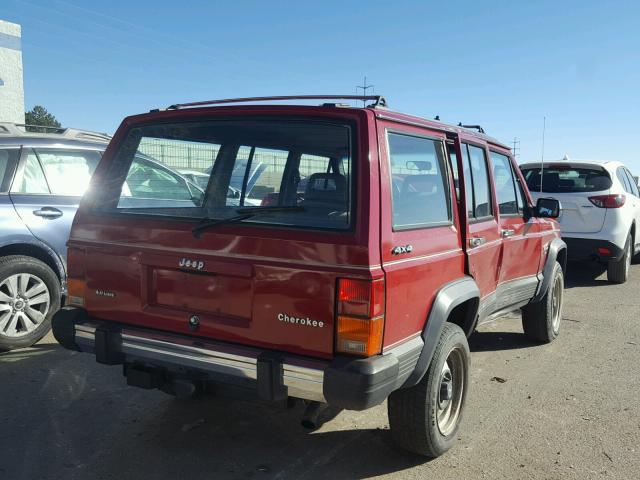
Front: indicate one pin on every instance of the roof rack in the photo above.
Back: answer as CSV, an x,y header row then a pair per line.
x,y
23,130
473,127
378,100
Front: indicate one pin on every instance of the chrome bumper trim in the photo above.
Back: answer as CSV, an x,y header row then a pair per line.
x,y
303,377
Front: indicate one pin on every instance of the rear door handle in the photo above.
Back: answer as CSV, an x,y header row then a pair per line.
x,y
508,233
48,212
476,241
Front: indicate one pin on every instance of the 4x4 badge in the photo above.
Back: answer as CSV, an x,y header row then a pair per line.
x,y
402,249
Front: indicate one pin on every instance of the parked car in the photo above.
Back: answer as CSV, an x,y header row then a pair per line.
x,y
600,209
42,177
362,288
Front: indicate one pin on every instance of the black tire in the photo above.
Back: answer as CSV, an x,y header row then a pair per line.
x,y
414,412
618,271
19,264
541,320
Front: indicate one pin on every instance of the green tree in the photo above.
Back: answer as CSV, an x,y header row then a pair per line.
x,y
38,115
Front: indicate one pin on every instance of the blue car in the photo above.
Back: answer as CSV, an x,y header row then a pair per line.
x,y
43,175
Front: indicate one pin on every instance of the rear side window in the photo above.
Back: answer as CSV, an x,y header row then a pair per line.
x,y
8,162
289,172
622,176
418,181
476,181
633,182
566,179
505,184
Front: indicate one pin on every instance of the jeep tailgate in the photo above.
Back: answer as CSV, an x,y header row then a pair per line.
x,y
267,292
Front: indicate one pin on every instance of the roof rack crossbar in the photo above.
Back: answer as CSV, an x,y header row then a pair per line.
x,y
379,100
43,127
472,127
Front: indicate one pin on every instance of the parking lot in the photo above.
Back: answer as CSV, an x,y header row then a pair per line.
x,y
564,410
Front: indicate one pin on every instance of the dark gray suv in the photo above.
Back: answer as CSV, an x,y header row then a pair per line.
x,y
42,177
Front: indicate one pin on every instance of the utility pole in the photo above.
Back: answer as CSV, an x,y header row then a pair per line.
x,y
364,87
516,148
544,131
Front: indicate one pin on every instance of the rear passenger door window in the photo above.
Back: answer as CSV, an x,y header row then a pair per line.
x,y
477,182
68,171
33,180
505,184
418,181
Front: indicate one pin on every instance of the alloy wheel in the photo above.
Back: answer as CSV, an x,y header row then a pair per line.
x,y
24,304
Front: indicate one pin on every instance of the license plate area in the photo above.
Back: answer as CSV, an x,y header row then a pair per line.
x,y
202,292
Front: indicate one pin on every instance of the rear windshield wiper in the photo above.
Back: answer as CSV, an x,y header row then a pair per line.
x,y
243,214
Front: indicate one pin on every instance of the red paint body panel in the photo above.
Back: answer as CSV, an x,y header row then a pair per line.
x,y
252,274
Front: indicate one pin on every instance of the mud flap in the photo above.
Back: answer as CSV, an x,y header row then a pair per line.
x,y
107,347
269,377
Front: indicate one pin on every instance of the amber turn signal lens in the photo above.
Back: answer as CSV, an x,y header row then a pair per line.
x,y
359,336
75,292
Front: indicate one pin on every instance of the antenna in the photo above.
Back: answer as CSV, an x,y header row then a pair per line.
x,y
364,88
544,130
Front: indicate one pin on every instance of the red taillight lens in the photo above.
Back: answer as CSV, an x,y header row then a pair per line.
x,y
360,298
76,286
608,201
360,316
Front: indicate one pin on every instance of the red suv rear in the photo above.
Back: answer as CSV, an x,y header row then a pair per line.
x,y
333,254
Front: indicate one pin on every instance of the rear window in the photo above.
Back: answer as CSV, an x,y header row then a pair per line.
x,y
295,173
566,179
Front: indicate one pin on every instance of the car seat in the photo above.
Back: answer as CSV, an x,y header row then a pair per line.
x,y
326,190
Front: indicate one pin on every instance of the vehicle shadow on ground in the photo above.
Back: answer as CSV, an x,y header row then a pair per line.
x,y
585,274
82,421
495,341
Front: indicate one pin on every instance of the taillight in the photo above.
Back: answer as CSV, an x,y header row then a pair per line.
x,y
75,292
76,284
360,316
608,201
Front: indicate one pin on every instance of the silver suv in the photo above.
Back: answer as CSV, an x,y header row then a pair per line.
x,y
42,177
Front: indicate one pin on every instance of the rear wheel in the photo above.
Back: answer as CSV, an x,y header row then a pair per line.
x,y
424,419
29,295
541,320
618,271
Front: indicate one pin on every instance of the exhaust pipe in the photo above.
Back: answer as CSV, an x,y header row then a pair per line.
x,y
311,416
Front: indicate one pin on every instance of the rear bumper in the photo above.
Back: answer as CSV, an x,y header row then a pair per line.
x,y
345,382
588,249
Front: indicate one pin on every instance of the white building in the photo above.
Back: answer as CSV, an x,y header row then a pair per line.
x,y
11,83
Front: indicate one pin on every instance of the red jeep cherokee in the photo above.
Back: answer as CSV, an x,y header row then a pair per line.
x,y
333,254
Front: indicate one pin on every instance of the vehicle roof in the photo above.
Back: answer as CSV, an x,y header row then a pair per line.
x,y
611,164
378,107
17,134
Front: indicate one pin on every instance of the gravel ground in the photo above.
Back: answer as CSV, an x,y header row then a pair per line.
x,y
567,410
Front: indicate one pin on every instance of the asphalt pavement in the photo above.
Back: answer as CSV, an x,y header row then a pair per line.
x,y
567,410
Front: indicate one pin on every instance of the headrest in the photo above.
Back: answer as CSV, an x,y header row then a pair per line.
x,y
419,184
326,188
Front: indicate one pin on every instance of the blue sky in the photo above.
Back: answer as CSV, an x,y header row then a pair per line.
x,y
502,64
